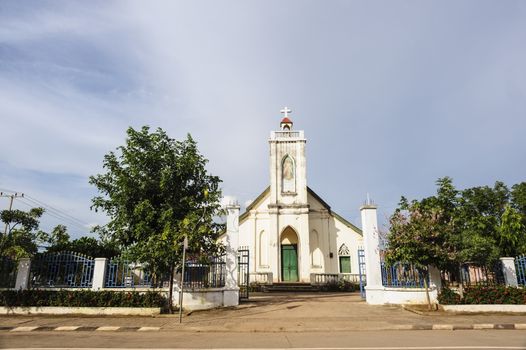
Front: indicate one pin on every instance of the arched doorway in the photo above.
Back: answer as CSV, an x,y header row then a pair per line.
x,y
289,255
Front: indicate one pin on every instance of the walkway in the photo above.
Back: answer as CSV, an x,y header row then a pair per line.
x,y
315,312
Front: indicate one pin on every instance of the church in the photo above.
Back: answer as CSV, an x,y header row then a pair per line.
x,y
290,231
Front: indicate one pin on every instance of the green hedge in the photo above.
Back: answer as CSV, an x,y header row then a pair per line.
x,y
76,298
484,295
339,286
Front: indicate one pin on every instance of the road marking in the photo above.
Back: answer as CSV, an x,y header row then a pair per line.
x,y
520,325
483,326
108,328
148,329
67,328
23,329
467,347
443,327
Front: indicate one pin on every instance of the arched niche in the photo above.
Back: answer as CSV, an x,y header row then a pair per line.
x,y
263,249
288,174
289,236
315,249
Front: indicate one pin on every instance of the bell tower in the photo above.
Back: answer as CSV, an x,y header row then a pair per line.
x,y
288,168
288,207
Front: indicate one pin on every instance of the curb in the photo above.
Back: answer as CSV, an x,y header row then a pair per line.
x,y
401,327
79,329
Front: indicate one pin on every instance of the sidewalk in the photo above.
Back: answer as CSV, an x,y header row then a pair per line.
x,y
315,312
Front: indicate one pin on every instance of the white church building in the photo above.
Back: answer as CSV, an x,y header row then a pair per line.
x,y
290,231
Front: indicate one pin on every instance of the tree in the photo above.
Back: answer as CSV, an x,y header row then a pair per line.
x,y
476,225
23,236
60,241
59,236
512,233
156,190
420,231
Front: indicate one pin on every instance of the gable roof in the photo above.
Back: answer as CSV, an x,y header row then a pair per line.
x,y
266,192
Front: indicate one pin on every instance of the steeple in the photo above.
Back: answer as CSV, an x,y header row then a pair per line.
x,y
286,123
288,180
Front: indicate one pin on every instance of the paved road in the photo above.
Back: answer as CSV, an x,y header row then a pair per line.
x,y
337,321
491,339
276,313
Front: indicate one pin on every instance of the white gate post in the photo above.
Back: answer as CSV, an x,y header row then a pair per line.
x,y
99,272
231,292
22,273
510,274
374,290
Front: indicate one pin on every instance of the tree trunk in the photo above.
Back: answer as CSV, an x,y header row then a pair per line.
x,y
427,291
170,291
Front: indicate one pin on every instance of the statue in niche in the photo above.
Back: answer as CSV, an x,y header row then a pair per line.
x,y
289,183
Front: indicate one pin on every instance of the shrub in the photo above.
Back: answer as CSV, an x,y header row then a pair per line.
x,y
484,295
339,286
79,298
448,297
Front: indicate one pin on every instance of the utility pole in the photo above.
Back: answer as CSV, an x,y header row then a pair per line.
x,y
11,198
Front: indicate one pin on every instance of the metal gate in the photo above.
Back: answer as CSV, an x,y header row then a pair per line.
x,y
243,259
361,271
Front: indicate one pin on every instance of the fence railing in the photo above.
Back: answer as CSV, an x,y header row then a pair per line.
x,y
469,274
520,268
123,274
261,277
8,270
199,275
63,270
324,278
401,275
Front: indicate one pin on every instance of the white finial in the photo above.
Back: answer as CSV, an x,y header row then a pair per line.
x,y
286,111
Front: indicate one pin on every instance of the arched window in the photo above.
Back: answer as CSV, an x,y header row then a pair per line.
x,y
288,175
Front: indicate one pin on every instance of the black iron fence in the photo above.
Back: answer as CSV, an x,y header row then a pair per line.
x,y
8,270
209,274
63,270
470,274
124,274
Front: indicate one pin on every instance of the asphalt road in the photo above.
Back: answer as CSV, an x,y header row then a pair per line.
x,y
471,339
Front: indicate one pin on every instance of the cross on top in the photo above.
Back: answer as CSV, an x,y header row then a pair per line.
x,y
286,111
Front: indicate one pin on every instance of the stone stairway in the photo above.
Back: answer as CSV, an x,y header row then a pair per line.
x,y
295,287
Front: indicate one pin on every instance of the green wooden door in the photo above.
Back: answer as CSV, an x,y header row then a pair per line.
x,y
289,263
345,264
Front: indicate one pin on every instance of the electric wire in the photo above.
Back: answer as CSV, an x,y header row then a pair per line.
x,y
62,219
49,207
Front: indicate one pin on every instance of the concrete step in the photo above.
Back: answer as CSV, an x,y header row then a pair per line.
x,y
290,287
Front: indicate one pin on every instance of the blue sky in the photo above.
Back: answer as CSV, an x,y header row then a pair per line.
x,y
391,94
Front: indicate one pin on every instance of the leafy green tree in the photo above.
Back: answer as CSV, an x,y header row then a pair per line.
x,y
23,236
518,199
89,246
421,232
59,236
512,233
156,190
476,225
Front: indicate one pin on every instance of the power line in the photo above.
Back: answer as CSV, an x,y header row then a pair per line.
x,y
70,223
49,210
55,210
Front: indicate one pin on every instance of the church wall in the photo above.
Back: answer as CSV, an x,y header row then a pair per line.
x,y
349,237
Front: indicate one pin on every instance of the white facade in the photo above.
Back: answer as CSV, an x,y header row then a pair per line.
x,y
290,231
